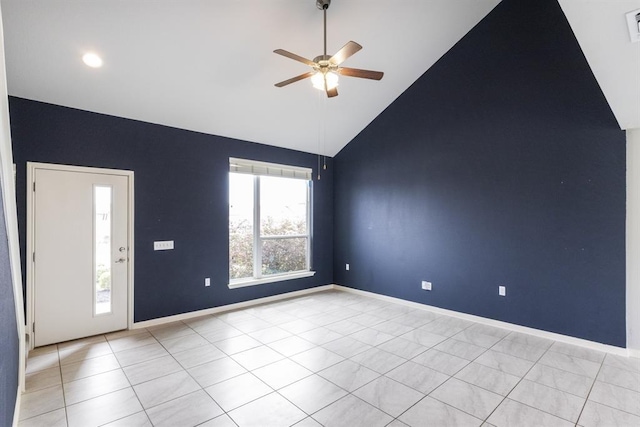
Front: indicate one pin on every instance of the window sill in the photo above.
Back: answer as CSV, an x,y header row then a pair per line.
x,y
271,279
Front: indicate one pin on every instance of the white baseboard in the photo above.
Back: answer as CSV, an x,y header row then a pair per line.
x,y
496,323
16,410
483,320
229,307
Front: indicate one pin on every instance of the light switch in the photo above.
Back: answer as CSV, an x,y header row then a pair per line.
x,y
163,245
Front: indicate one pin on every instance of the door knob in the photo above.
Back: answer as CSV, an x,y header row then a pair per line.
x,y
122,249
121,260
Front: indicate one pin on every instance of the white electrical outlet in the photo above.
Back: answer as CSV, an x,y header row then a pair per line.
x,y
502,291
163,245
207,281
346,267
426,285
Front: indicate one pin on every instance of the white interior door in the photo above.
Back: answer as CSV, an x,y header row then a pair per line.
x,y
81,255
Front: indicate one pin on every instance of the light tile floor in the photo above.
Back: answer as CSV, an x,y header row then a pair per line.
x,y
331,359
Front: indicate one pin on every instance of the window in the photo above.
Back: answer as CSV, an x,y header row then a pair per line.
x,y
102,241
269,222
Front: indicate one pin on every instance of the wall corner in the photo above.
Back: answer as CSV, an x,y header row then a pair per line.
x,y
633,241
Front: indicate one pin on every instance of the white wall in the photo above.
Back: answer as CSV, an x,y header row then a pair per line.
x,y
601,30
10,209
633,241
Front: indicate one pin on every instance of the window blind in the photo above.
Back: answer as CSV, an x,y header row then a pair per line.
x,y
253,167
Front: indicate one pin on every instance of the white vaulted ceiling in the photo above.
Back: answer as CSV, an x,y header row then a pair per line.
x,y
209,66
602,32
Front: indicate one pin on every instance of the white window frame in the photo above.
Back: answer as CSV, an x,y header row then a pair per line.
x,y
258,169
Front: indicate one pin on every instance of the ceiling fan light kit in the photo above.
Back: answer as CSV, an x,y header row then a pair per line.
x,y
327,68
328,79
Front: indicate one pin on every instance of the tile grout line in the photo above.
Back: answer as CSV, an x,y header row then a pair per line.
x,y
595,379
522,379
64,407
227,413
450,376
183,369
453,376
357,312
121,368
447,380
472,361
301,379
191,376
59,366
316,372
273,391
615,385
64,397
130,385
157,341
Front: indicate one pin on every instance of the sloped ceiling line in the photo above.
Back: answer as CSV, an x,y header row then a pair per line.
x,y
208,66
601,29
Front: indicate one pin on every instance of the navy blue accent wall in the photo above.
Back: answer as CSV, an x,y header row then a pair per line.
x,y
8,330
501,165
181,194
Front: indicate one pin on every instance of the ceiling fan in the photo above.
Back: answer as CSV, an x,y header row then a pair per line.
x,y
324,75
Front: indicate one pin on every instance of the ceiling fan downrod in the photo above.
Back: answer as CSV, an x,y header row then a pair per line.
x,y
324,5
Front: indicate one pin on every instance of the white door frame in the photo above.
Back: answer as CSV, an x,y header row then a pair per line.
x,y
31,169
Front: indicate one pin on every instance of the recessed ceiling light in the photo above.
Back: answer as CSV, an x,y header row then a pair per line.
x,y
92,60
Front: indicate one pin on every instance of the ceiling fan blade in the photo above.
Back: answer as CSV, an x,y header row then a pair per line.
x,y
345,52
332,92
294,57
295,79
363,74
